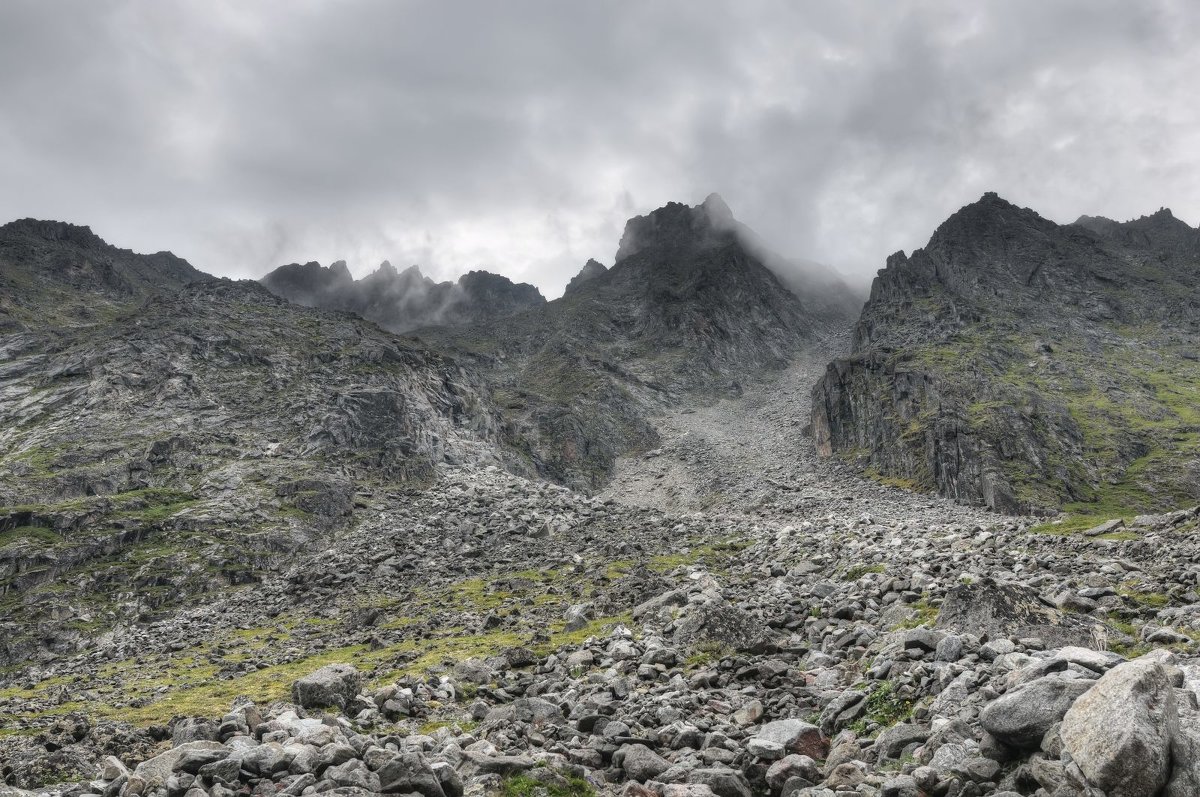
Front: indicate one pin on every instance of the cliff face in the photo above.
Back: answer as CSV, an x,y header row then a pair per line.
x,y
1027,365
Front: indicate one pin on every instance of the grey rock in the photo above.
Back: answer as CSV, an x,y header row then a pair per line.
x,y
640,762
1021,717
723,782
332,685
194,729
154,771
794,737
407,773
789,767
1120,732
900,786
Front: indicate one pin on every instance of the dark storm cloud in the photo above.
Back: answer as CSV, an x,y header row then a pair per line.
x,y
519,136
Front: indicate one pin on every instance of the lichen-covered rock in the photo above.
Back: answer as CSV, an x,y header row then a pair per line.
x,y
332,685
1120,732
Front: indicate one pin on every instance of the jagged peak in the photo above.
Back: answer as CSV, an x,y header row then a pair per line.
x,y
52,230
590,271
676,223
987,214
718,212
385,269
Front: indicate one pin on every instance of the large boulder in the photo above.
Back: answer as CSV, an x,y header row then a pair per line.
x,y
724,624
334,685
408,773
987,608
791,736
155,771
1120,731
640,762
1020,718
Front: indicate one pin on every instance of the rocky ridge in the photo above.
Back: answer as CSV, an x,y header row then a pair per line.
x,y
1028,366
402,300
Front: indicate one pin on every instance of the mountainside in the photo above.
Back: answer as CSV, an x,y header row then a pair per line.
x,y
253,548
688,309
191,437
402,300
56,274
1029,366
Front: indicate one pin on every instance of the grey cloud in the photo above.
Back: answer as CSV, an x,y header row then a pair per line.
x,y
519,136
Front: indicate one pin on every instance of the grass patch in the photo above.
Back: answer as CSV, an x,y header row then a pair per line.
x,y
706,652
858,571
923,612
525,786
196,690
30,534
433,726
885,708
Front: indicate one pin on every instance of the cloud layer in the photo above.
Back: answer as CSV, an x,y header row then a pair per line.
x,y
519,136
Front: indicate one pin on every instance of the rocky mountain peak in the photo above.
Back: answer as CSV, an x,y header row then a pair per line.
x,y
988,220
44,265
676,225
718,213
1160,231
590,271
402,300
57,231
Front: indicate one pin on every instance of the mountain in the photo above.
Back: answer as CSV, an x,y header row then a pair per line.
x,y
590,270
689,309
402,300
253,548
58,274
164,434
1028,365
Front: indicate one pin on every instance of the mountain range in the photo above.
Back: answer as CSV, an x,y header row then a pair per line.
x,y
402,300
706,525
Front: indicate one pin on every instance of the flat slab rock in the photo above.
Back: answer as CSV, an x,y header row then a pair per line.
x,y
1012,610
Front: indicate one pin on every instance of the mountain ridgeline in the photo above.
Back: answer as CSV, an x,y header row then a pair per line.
x,y
402,300
164,433
1029,366
688,308
253,547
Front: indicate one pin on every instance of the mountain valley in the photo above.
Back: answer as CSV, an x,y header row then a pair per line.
x,y
696,528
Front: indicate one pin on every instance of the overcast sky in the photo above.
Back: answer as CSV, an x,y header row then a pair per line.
x,y
519,136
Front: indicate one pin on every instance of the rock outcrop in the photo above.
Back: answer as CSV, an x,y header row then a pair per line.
x,y
590,271
1026,365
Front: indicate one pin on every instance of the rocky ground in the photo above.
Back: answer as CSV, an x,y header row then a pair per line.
x,y
732,616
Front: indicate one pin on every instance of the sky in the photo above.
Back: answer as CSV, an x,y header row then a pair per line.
x,y
519,136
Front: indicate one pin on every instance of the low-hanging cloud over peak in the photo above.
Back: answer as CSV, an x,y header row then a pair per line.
x,y
518,137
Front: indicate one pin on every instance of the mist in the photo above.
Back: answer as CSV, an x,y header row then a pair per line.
x,y
517,138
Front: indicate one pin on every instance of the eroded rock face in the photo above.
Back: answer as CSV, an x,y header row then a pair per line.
x,y
1120,732
970,358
